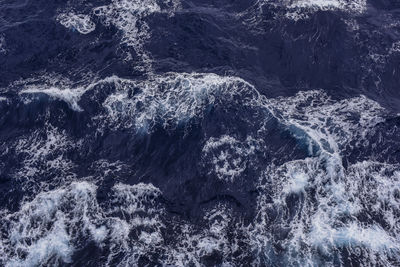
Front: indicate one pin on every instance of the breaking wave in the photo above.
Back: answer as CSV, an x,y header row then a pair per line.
x,y
302,9
314,206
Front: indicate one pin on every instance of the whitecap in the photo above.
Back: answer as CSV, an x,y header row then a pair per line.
x,y
79,22
70,96
170,99
302,9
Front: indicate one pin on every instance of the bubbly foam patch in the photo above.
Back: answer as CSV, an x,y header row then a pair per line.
x,y
320,204
77,22
49,228
39,147
374,237
352,5
302,9
395,48
216,238
324,217
125,16
228,156
128,16
41,231
42,155
331,124
170,100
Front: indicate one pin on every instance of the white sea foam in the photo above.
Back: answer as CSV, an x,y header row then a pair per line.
x,y
318,222
49,227
193,245
353,234
395,48
133,199
170,99
79,22
229,157
139,208
42,151
54,224
175,98
298,182
54,245
346,5
331,124
327,218
58,88
128,16
69,96
302,9
41,229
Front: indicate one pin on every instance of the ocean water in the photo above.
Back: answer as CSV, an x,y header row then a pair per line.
x,y
200,133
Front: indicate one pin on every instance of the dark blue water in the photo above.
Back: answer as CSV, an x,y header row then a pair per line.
x,y
200,133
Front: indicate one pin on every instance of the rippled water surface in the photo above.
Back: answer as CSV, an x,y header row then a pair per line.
x,y
199,133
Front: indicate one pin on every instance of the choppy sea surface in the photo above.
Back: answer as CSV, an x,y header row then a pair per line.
x,y
199,133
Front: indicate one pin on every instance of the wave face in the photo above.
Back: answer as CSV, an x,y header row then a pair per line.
x,y
199,133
